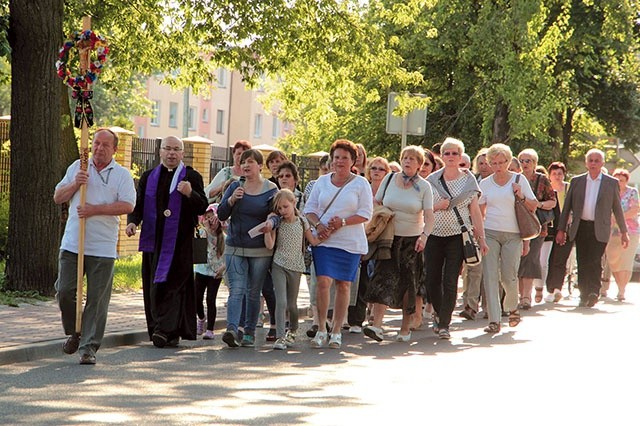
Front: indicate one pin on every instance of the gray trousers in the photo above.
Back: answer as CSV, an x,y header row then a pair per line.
x,y
99,273
500,265
286,284
471,283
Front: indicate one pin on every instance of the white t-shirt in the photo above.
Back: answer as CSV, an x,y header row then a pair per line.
x,y
500,214
111,184
408,204
355,199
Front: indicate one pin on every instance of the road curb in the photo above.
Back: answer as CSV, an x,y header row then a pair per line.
x,y
52,348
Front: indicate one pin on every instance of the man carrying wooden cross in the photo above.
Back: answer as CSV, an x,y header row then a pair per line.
x,y
110,193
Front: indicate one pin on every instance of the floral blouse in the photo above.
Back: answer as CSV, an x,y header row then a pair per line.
x,y
541,186
629,200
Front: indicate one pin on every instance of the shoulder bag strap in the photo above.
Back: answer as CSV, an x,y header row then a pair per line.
x,y
455,209
384,191
336,195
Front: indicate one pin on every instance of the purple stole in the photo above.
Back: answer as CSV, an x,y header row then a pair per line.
x,y
171,222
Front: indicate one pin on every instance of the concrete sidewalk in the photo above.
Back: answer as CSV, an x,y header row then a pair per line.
x,y
31,332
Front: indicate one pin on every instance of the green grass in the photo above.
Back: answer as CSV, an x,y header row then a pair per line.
x,y
126,275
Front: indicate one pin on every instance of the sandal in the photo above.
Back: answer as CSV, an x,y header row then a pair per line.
x,y
539,295
493,327
514,318
525,303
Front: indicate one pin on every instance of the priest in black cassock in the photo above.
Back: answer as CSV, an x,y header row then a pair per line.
x,y
170,197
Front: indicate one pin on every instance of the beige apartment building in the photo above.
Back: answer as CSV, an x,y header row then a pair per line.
x,y
231,111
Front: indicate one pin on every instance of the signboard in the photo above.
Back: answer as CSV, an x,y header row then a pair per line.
x,y
416,120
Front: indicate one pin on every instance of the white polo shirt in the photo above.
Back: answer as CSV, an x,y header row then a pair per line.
x,y
111,184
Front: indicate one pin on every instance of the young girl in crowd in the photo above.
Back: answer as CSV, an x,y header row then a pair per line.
x,y
288,263
209,275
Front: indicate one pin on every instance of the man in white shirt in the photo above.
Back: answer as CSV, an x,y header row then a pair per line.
x,y
110,193
592,197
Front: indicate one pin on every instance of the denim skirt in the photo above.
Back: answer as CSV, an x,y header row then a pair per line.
x,y
335,263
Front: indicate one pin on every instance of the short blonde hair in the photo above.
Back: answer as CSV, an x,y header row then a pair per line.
x,y
530,152
450,143
414,150
499,149
381,160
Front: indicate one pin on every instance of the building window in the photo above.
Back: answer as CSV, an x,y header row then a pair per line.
x,y
141,131
173,114
257,126
205,115
220,122
155,113
222,77
275,129
193,113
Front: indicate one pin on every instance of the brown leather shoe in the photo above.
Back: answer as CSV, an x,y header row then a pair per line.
x,y
70,346
87,359
592,299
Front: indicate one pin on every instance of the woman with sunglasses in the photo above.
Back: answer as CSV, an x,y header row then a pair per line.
x,y
455,199
530,267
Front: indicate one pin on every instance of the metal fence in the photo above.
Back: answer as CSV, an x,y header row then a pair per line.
x,y
145,154
5,158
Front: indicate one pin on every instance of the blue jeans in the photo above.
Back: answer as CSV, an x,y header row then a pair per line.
x,y
245,276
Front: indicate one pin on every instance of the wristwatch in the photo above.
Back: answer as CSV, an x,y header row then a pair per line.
x,y
344,222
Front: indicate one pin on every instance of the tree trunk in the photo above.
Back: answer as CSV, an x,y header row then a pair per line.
x,y
501,127
35,31
567,132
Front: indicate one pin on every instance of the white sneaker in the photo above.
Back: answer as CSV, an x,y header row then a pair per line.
x,y
554,297
403,337
320,340
355,329
280,344
335,342
374,332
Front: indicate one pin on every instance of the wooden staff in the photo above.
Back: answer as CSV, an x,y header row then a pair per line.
x,y
84,52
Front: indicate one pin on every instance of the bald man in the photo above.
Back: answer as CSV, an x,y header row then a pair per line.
x,y
170,198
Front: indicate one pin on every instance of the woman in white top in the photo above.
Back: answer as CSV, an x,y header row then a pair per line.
x,y
340,225
502,234
395,281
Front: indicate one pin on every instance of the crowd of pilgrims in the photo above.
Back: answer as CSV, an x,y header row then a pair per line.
x,y
374,234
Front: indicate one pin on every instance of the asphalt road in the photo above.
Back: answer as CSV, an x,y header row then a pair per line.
x,y
561,365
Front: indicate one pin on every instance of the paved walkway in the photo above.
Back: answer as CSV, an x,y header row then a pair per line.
x,y
31,332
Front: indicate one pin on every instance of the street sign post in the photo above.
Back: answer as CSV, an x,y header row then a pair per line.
x,y
414,123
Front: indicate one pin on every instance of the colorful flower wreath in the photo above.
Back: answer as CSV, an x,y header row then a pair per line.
x,y
80,40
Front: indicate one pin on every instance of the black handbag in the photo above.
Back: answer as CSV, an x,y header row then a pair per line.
x,y
470,249
200,248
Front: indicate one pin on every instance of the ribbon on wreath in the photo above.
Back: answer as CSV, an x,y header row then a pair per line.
x,y
83,110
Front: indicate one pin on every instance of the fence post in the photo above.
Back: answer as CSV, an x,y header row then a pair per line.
x,y
126,246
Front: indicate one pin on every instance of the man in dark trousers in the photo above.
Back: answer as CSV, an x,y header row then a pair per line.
x,y
170,198
592,197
